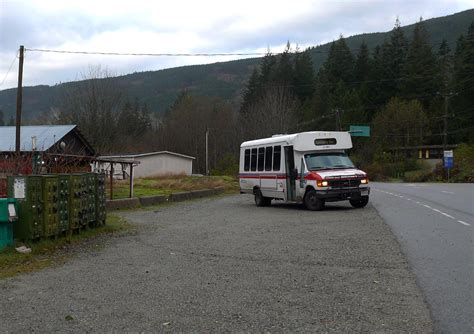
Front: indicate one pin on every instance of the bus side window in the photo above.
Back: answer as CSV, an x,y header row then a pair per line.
x,y
253,161
268,158
247,160
276,158
261,158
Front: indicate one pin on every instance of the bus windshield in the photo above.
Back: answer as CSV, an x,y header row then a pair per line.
x,y
328,160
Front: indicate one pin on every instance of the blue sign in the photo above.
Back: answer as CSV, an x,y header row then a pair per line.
x,y
448,159
448,162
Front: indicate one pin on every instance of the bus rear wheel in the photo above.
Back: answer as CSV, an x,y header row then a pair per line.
x,y
312,202
260,200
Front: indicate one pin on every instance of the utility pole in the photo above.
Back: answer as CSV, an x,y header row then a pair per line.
x,y
207,151
445,122
19,98
338,120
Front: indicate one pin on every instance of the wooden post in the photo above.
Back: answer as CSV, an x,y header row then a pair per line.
x,y
19,99
131,180
207,152
111,180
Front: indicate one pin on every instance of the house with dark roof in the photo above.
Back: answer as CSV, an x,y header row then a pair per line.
x,y
46,138
51,148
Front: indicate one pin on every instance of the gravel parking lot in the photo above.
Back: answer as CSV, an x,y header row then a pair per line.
x,y
224,265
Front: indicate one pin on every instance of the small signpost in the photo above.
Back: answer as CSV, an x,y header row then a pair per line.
x,y
448,160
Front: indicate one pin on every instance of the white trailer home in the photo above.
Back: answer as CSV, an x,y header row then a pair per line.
x,y
308,167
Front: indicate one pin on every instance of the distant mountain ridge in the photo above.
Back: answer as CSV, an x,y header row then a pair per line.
x,y
158,89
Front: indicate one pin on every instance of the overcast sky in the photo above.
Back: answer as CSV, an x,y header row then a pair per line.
x,y
175,26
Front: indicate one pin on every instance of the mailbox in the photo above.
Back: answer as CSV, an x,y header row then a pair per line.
x,y
8,215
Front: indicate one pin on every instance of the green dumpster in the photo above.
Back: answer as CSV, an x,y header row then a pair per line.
x,y
8,215
28,191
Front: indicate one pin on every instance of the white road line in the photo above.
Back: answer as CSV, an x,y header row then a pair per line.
x,y
445,214
447,192
426,206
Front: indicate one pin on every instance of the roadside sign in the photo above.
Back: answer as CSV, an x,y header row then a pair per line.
x,y
359,131
448,159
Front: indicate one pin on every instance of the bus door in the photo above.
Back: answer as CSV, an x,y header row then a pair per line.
x,y
290,174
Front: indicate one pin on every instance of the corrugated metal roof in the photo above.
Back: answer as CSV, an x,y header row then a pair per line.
x,y
46,136
132,156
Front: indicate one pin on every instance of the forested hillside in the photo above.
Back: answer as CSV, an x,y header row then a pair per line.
x,y
159,89
410,90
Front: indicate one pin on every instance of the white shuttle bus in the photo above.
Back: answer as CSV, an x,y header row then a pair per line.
x,y
309,167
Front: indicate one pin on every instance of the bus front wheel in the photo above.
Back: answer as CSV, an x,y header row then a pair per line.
x,y
359,203
312,202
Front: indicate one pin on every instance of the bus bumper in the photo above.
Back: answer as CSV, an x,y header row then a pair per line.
x,y
342,194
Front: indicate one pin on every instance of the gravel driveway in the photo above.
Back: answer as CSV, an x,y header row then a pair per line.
x,y
224,265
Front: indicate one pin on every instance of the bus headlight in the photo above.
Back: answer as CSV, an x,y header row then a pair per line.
x,y
323,183
364,181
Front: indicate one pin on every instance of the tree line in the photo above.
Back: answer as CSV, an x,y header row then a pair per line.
x,y
409,91
404,89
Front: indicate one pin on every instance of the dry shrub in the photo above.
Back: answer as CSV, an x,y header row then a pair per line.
x,y
167,176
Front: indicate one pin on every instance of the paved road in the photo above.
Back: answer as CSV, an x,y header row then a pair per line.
x,y
434,224
220,265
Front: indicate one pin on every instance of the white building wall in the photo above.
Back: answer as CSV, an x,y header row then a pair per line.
x,y
162,164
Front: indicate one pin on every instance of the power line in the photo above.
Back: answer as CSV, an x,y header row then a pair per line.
x,y
8,72
208,54
148,54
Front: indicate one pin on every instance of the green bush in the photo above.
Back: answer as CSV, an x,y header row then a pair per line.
x,y
395,166
228,165
422,175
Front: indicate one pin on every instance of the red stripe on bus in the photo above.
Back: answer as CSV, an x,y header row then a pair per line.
x,y
262,177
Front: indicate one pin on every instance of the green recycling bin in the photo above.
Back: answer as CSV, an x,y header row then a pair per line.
x,y
8,216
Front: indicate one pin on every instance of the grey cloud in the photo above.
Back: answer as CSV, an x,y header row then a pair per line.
x,y
313,28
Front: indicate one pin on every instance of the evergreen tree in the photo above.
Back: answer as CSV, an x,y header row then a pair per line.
x,y
316,117
376,94
444,78
397,55
267,69
340,63
303,81
362,66
251,91
284,69
464,87
420,69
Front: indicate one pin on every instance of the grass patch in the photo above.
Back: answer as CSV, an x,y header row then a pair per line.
x,y
52,252
165,185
